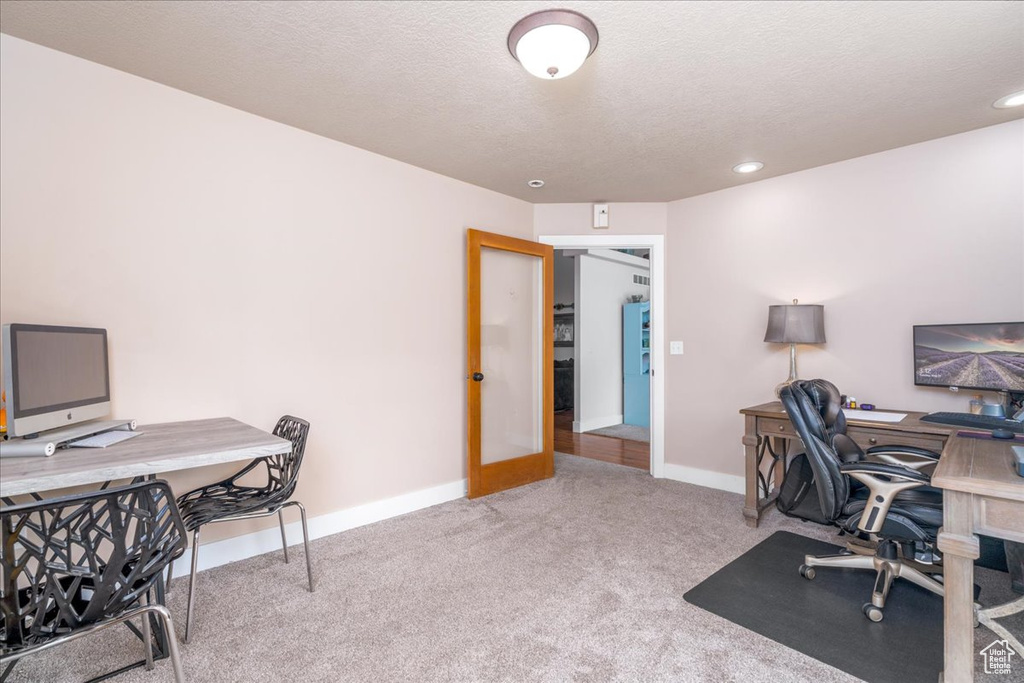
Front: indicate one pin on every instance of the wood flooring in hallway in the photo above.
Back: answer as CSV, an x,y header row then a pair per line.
x,y
605,448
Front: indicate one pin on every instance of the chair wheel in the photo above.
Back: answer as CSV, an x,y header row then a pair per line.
x,y
806,572
872,612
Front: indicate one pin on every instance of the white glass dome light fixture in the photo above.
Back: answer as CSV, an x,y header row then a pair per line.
x,y
552,43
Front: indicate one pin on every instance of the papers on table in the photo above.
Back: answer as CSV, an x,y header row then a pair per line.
x,y
872,415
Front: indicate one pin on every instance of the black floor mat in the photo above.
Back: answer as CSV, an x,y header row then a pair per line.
x,y
763,591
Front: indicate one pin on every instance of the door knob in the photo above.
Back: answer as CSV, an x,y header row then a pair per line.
x,y
478,377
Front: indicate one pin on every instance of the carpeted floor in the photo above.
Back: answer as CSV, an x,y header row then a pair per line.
x,y
580,577
624,431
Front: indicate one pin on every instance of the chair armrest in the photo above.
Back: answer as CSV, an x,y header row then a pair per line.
x,y
906,450
883,490
907,456
885,469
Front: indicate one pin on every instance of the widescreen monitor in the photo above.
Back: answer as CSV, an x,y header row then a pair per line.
x,y
54,376
987,356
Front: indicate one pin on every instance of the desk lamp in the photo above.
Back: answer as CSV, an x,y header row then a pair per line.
x,y
795,324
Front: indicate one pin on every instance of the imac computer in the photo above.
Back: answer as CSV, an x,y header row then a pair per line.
x,y
54,376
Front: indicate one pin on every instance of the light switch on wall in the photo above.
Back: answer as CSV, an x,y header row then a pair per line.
x,y
675,348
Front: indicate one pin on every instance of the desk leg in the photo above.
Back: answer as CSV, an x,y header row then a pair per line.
x,y
751,512
959,548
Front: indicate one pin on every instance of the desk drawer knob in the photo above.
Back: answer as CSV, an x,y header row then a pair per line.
x,y
872,440
782,428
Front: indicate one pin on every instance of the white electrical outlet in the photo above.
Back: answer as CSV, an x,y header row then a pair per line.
x,y
600,215
675,348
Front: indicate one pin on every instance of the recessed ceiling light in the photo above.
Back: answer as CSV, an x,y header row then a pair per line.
x,y
748,167
535,183
1014,100
552,43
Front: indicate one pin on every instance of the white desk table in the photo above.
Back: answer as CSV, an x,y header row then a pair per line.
x,y
159,448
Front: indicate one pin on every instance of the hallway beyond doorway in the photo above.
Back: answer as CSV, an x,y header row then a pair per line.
x,y
604,448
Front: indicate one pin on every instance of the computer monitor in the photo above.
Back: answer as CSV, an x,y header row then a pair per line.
x,y
54,376
987,356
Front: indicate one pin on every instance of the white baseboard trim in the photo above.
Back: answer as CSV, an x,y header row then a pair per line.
x,y
714,480
268,540
579,426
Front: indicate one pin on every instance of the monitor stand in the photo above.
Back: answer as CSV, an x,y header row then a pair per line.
x,y
46,443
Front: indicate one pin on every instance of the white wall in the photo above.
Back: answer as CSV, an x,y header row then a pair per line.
x,y
930,233
640,218
243,268
605,281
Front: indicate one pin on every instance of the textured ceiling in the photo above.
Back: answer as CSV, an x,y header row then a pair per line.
x,y
676,94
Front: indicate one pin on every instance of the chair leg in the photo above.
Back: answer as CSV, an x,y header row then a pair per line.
x,y
921,579
284,539
305,543
170,575
147,637
883,582
192,584
848,561
172,641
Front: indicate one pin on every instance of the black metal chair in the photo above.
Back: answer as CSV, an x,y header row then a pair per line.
x,y
75,565
229,501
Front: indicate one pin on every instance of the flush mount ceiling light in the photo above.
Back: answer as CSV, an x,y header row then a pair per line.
x,y
748,167
1014,100
552,43
535,183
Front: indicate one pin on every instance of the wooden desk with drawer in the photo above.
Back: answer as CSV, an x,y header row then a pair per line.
x,y
769,436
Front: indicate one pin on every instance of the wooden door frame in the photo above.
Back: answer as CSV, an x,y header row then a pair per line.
x,y
506,474
656,243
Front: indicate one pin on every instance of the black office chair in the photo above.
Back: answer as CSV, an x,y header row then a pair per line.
x,y
76,565
888,503
229,501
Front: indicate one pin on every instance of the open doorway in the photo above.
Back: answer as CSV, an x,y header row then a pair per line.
x,y
602,354
656,334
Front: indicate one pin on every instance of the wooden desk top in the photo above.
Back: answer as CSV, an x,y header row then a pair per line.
x,y
982,466
911,423
159,448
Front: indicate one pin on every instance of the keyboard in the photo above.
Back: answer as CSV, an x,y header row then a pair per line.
x,y
103,439
972,421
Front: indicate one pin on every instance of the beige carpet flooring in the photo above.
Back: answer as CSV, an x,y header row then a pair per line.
x,y
577,578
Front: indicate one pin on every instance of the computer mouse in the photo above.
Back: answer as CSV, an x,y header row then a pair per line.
x,y
1002,434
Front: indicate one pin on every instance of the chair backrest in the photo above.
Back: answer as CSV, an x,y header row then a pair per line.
x,y
815,409
74,561
284,469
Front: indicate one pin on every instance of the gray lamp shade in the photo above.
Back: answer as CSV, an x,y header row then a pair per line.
x,y
796,324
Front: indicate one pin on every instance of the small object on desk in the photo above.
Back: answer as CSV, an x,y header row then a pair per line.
x,y
974,407
852,403
867,406
1018,457
1002,434
103,439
